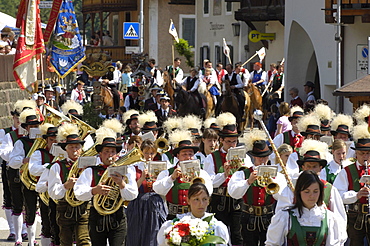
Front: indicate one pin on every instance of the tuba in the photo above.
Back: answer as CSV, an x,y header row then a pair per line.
x,y
75,173
161,144
29,180
55,117
83,128
110,203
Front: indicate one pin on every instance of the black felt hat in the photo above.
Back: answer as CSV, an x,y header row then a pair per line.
x,y
312,156
362,144
185,144
229,131
341,129
325,125
296,115
312,130
150,126
31,120
71,139
51,132
108,142
260,149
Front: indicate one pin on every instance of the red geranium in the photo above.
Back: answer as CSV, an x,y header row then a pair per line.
x,y
184,229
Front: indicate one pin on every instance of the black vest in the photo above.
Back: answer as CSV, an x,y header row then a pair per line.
x,y
190,83
134,105
233,80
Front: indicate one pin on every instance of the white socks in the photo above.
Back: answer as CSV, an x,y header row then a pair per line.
x,y
45,241
31,230
24,228
9,218
18,222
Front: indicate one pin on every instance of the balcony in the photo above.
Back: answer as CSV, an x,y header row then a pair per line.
x,y
117,53
182,2
261,10
89,6
350,9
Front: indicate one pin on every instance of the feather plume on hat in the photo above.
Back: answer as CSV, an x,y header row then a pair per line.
x,y
44,128
65,130
126,115
341,119
310,144
307,120
147,117
361,113
360,132
104,132
113,124
324,112
191,121
250,137
295,109
68,105
208,122
172,123
25,113
21,104
225,119
179,135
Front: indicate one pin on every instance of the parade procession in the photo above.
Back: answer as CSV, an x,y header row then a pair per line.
x,y
100,150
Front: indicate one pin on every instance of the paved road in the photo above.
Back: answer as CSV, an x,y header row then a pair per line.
x,y
4,229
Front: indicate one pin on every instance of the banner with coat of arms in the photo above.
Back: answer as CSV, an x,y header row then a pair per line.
x,y
67,48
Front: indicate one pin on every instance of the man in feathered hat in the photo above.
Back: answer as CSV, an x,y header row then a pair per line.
x,y
21,193
355,194
132,122
88,186
70,219
169,182
226,209
257,203
39,161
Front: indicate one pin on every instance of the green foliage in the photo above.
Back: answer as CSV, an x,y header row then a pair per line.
x,y
9,7
184,49
91,116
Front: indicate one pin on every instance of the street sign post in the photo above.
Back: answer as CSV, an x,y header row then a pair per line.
x,y
131,30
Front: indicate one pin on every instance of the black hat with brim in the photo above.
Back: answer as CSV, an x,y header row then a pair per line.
x,y
312,156
296,115
108,142
229,131
15,113
51,132
260,149
325,125
312,130
132,117
195,132
214,126
185,144
71,139
150,126
31,120
362,144
341,129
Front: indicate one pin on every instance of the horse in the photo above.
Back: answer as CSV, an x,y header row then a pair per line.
x,y
204,89
107,98
256,100
187,104
168,88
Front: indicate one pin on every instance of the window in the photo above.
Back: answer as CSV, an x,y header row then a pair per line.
x,y
228,6
205,7
225,60
217,54
188,30
204,54
217,7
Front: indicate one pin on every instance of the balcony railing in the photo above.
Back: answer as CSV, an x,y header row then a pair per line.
x,y
108,5
117,53
350,9
261,10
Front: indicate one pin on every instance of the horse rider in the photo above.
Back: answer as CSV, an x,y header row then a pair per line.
x,y
152,103
112,84
132,100
236,84
192,83
157,78
258,76
179,73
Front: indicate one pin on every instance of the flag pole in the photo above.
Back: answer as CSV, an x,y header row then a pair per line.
x,y
42,73
173,61
229,59
249,59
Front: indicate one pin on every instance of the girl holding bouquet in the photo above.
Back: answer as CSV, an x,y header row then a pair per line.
x,y
207,227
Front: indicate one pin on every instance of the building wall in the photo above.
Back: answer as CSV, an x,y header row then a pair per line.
x,y
275,52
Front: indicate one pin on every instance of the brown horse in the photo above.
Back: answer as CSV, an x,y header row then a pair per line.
x,y
256,100
107,98
204,89
168,88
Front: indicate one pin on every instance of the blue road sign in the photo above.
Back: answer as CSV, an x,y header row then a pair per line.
x,y
365,52
131,30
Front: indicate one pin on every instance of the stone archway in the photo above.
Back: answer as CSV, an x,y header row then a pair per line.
x,y
301,63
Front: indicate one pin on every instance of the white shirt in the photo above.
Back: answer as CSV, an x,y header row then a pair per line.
x,y
219,178
42,184
180,74
195,86
17,155
333,167
310,96
2,133
116,77
263,76
6,147
55,185
281,223
238,79
220,229
83,189
35,166
246,76
158,79
75,94
164,157
164,182
278,141
127,102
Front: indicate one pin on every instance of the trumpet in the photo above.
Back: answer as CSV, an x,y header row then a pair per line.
x,y
265,180
161,144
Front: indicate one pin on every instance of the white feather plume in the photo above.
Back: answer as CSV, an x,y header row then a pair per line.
x,y
104,132
295,109
360,131
361,113
341,119
172,123
65,130
179,135
191,121
147,117
113,124
44,128
72,105
307,120
250,137
208,122
126,115
226,119
20,104
324,112
310,144
25,113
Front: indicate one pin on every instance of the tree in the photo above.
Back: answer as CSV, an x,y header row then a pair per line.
x,y
184,49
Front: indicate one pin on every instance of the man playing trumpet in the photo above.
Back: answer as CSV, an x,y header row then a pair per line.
x,y
89,186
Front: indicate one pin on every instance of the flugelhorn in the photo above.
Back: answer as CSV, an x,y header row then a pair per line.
x,y
84,129
265,180
161,144
109,204
258,115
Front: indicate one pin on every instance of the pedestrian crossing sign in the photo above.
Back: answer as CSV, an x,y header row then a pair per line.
x,y
131,30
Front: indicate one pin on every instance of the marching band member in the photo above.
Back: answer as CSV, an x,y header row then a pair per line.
x,y
73,108
193,124
341,127
226,209
354,193
313,153
148,211
19,192
148,121
331,171
307,222
257,201
169,182
72,221
133,127
208,145
170,125
111,226
39,160
325,114
7,200
361,115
